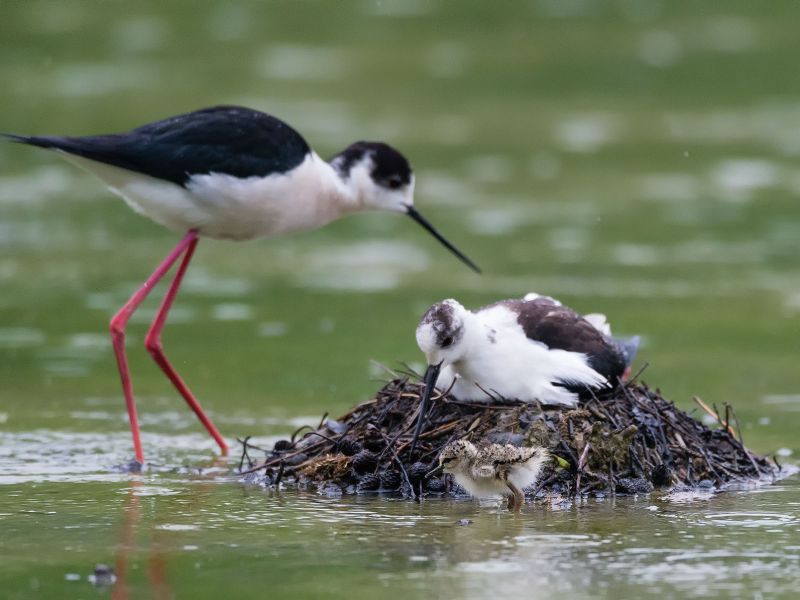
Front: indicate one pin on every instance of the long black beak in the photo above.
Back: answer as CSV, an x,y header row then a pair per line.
x,y
414,214
431,375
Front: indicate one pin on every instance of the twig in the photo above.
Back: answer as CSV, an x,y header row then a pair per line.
x,y
727,415
632,380
279,476
298,430
246,442
380,365
777,464
244,454
581,466
612,484
402,469
713,413
569,452
322,420
738,426
544,483
325,437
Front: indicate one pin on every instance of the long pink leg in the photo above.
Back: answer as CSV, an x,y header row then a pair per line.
x,y
117,327
153,344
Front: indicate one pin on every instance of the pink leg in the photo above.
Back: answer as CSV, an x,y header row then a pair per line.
x,y
153,344
120,321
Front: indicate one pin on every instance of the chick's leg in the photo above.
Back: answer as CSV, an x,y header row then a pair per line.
x,y
517,498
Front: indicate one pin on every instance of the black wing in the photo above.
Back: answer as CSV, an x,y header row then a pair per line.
x,y
559,327
232,140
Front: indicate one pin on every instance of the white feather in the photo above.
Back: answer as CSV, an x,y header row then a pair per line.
x,y
600,322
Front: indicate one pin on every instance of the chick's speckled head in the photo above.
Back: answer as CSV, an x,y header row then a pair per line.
x,y
456,454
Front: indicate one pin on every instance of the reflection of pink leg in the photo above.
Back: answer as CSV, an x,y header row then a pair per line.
x,y
153,344
120,321
127,542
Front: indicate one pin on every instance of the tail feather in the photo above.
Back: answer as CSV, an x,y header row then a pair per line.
x,y
572,369
629,347
106,149
93,147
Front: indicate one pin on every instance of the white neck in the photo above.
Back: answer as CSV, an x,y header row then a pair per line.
x,y
341,192
474,331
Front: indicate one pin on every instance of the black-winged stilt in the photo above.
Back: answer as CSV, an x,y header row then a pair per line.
x,y
234,173
493,469
530,349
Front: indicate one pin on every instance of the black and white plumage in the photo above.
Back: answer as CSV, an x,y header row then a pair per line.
x,y
237,173
233,173
529,349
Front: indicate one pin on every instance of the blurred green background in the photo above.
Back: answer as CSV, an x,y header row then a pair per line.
x,y
632,157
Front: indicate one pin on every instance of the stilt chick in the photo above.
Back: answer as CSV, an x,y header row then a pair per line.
x,y
494,469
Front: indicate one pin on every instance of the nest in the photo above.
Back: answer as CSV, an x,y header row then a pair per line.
x,y
629,440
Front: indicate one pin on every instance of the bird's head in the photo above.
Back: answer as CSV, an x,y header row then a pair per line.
x,y
440,336
440,333
380,178
457,455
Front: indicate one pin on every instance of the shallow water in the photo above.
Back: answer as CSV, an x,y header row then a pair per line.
x,y
634,158
186,527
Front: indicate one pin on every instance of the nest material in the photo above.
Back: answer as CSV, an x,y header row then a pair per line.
x,y
629,440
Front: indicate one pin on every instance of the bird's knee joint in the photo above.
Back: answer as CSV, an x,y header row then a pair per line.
x,y
153,344
117,331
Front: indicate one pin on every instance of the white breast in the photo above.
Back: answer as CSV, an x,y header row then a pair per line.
x,y
481,487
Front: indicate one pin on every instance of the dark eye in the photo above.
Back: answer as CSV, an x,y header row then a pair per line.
x,y
394,182
447,341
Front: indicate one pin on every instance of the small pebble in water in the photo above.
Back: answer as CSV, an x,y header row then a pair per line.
x,y
132,467
103,576
464,522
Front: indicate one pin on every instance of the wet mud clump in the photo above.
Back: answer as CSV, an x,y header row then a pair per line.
x,y
626,441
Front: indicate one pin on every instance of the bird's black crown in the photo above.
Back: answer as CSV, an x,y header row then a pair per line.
x,y
389,167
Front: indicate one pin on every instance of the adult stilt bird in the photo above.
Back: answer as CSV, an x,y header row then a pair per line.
x,y
232,173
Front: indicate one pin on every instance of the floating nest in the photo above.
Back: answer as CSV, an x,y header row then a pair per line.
x,y
626,441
